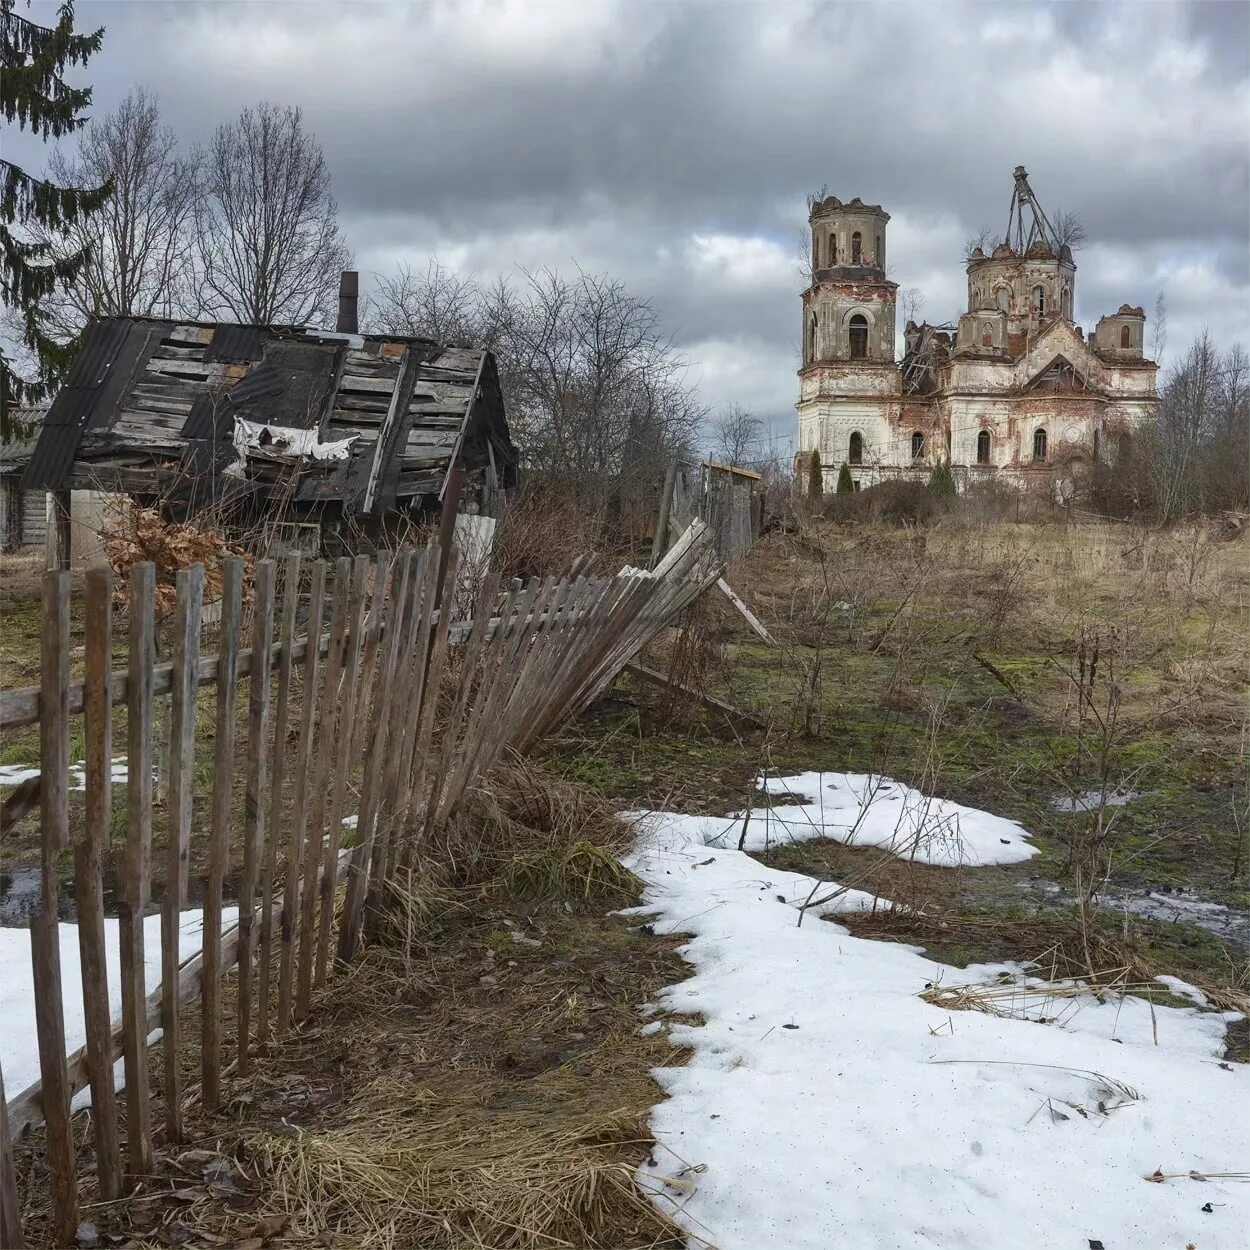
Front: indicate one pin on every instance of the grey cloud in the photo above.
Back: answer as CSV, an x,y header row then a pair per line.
x,y
627,130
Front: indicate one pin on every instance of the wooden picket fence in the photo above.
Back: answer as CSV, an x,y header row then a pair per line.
x,y
387,693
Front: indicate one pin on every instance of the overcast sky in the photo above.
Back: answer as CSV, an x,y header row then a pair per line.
x,y
674,144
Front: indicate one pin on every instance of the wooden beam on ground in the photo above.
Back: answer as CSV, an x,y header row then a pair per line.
x,y
653,678
751,619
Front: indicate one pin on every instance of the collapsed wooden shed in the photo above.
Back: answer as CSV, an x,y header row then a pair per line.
x,y
346,430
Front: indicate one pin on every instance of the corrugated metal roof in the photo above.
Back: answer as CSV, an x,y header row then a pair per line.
x,y
236,343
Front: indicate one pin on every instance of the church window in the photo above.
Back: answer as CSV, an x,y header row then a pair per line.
x,y
917,445
1039,300
1067,302
855,450
833,250
987,335
1097,444
859,337
811,339
879,257
857,248
1039,444
1003,298
1126,337
983,447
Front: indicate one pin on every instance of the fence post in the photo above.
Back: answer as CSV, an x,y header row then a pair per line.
x,y
254,819
134,872
219,832
10,1208
44,925
286,642
88,880
189,584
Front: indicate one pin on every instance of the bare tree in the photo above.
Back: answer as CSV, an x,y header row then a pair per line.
x,y
737,437
1159,328
913,302
138,245
596,390
1069,231
270,249
982,241
437,304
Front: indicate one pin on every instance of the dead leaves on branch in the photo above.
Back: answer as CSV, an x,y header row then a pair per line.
x,y
138,535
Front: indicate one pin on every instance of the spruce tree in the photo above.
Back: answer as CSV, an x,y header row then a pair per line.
x,y
815,477
846,483
941,481
34,94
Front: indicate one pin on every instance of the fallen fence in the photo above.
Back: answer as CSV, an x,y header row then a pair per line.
x,y
386,695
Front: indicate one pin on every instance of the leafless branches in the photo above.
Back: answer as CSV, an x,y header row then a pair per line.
x,y
139,244
1069,231
436,304
268,238
737,437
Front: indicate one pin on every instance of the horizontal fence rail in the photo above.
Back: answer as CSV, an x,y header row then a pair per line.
x,y
389,693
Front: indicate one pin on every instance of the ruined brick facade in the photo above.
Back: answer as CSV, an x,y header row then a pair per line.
x,y
1014,390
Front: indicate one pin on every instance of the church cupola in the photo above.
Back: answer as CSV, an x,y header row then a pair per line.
x,y
848,311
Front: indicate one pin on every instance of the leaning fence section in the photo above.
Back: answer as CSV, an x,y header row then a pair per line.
x,y
351,711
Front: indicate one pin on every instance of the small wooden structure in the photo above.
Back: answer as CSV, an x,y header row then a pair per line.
x,y
267,423
728,498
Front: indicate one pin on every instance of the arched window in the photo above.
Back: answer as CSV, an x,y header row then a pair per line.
x,y
811,339
879,258
859,337
1124,449
987,335
833,250
1126,337
983,447
855,450
1097,444
917,445
1039,300
857,248
1002,297
1067,303
1039,444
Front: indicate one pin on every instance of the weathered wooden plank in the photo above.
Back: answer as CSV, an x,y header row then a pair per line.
x,y
188,611
303,764
253,816
371,697
169,351
213,372
345,758
133,896
358,382
290,584
203,335
44,927
371,785
314,840
10,1206
219,835
88,879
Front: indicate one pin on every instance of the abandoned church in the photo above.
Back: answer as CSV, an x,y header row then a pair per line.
x,y
1016,390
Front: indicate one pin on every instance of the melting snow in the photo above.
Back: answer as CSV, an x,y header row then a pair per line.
x,y
19,1050
827,1104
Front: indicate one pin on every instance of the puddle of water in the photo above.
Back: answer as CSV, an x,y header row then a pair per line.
x,y
20,895
1089,801
1183,906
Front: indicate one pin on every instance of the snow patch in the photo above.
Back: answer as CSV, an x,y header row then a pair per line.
x,y
19,1049
826,1103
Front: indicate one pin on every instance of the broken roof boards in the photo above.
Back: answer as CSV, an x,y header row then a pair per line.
x,y
204,413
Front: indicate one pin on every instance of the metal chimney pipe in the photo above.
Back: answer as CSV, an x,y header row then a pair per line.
x,y
349,300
